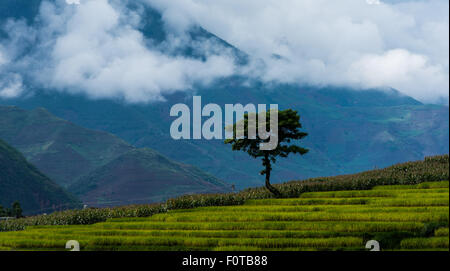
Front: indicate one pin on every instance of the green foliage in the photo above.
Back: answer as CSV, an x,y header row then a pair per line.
x,y
193,201
432,169
288,130
14,211
252,136
17,210
419,243
83,217
441,232
430,228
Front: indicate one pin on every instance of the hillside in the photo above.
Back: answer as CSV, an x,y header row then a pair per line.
x,y
401,217
99,167
59,148
142,176
21,181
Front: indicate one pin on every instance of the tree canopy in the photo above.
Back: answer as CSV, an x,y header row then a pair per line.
x,y
283,129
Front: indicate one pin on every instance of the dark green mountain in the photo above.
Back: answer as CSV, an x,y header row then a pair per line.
x,y
143,176
60,149
21,181
101,168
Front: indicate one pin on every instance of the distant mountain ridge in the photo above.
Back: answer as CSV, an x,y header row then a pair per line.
x,y
22,182
140,176
99,167
61,149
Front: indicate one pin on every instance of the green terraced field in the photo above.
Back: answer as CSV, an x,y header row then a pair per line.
x,y
410,217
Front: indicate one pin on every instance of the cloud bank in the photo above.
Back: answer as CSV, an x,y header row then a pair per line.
x,y
399,44
97,48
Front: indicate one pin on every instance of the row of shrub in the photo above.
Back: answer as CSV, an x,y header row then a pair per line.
x,y
83,217
14,211
434,168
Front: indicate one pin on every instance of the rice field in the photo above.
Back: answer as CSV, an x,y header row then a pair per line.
x,y
409,217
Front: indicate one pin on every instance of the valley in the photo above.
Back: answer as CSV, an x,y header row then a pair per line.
x,y
98,167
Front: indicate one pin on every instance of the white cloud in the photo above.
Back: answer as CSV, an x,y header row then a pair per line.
x,y
323,41
11,80
3,59
97,48
11,86
103,54
403,70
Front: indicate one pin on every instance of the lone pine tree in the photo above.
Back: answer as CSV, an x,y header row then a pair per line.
x,y
286,130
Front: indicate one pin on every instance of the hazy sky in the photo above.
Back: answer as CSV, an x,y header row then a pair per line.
x,y
96,47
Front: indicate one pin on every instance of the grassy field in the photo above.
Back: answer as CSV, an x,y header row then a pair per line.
x,y
400,217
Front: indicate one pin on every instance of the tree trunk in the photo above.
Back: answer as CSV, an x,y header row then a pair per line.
x,y
273,190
